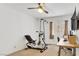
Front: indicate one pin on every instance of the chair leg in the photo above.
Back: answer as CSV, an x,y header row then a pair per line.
x,y
59,52
74,51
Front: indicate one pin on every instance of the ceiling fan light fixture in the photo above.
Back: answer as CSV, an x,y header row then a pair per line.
x,y
40,10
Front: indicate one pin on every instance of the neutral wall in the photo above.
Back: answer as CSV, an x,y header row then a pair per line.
x,y
13,26
58,21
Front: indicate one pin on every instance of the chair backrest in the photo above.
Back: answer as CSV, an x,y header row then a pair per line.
x,y
29,39
58,39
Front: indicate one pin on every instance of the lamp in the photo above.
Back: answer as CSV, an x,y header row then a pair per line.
x,y
40,10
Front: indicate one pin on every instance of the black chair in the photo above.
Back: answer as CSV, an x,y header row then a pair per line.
x,y
58,39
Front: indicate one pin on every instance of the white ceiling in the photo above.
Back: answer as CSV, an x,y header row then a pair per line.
x,y
54,9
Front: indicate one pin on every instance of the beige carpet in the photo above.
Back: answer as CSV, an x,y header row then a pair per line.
x,y
51,51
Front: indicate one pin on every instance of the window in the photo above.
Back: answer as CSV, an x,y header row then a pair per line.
x,y
51,30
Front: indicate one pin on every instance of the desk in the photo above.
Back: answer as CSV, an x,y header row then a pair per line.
x,y
66,44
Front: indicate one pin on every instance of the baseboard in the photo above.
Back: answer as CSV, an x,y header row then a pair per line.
x,y
14,52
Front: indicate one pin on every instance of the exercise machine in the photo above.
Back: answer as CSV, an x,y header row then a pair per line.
x,y
32,43
41,33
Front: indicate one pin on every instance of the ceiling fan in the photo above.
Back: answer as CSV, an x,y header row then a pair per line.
x,y
41,8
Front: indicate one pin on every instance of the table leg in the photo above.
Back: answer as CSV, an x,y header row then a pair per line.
x,y
74,51
59,52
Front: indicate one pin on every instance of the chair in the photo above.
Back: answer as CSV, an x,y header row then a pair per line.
x,y
58,39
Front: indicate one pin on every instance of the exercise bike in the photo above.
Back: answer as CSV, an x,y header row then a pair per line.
x,y
32,43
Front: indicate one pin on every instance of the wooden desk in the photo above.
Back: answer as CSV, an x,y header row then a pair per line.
x,y
66,44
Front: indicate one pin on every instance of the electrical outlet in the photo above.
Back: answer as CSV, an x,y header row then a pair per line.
x,y
14,46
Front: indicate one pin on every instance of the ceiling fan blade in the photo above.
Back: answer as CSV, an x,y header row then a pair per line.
x,y
45,11
33,8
